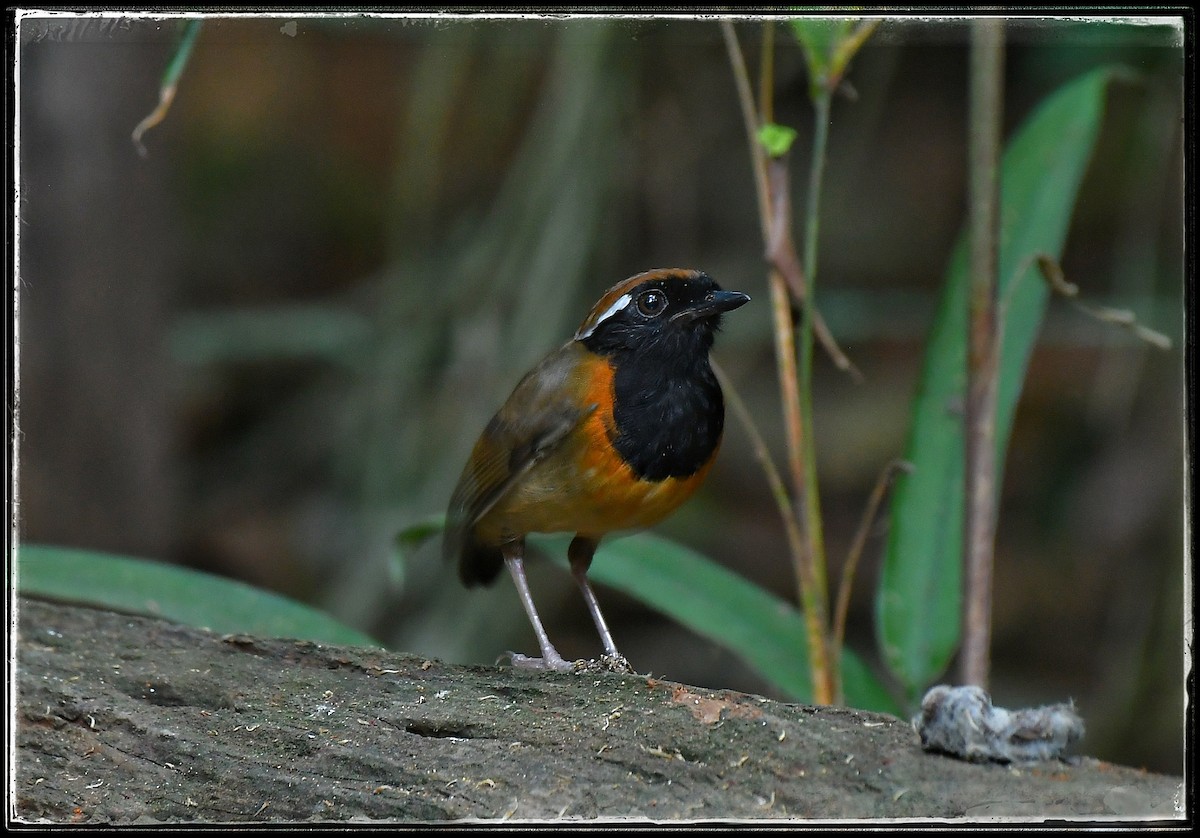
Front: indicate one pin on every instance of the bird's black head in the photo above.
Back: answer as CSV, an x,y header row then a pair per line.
x,y
655,330
664,313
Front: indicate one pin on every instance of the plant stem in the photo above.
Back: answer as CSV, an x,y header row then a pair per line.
x,y
170,83
979,526
779,490
750,120
766,74
810,580
811,499
807,495
842,607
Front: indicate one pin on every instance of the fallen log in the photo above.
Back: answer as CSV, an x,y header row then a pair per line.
x,y
127,720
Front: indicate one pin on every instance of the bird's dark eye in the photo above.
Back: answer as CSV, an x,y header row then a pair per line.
x,y
652,303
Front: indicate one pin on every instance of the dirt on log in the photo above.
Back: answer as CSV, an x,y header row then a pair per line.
x,y
124,719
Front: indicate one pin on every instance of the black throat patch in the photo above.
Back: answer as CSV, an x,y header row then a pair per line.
x,y
668,412
669,416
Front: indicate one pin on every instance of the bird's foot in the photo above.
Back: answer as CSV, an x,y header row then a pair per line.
x,y
547,663
617,663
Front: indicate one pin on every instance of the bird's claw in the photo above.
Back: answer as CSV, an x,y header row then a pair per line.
x,y
556,663
548,663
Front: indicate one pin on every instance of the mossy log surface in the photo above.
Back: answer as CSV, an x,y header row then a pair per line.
x,y
123,719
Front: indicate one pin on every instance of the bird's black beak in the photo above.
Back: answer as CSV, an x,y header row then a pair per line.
x,y
715,302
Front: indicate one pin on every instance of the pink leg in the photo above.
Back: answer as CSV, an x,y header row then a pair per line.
x,y
580,554
550,659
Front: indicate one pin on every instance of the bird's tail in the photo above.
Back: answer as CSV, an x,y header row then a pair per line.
x,y
478,563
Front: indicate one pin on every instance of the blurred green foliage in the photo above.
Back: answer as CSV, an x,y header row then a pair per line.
x,y
153,589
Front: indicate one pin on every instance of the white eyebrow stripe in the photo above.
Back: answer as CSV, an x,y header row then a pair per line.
x,y
617,305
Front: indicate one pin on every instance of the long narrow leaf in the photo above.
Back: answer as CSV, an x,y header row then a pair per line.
x,y
170,83
175,593
918,603
765,631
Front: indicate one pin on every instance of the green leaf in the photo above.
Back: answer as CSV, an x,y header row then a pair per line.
x,y
191,31
829,44
820,36
170,80
762,629
408,541
174,593
776,139
919,599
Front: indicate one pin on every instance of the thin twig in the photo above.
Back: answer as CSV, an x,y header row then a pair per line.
x,y
169,86
165,97
750,120
846,584
1052,272
848,47
781,252
766,74
812,502
779,492
987,66
789,387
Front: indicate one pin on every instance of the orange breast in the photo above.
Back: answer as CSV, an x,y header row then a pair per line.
x,y
585,486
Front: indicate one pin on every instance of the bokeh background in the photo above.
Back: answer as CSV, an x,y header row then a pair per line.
x,y
267,346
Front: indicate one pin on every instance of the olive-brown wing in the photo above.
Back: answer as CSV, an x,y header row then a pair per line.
x,y
542,410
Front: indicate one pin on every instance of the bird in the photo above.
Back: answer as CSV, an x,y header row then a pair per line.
x,y
610,432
